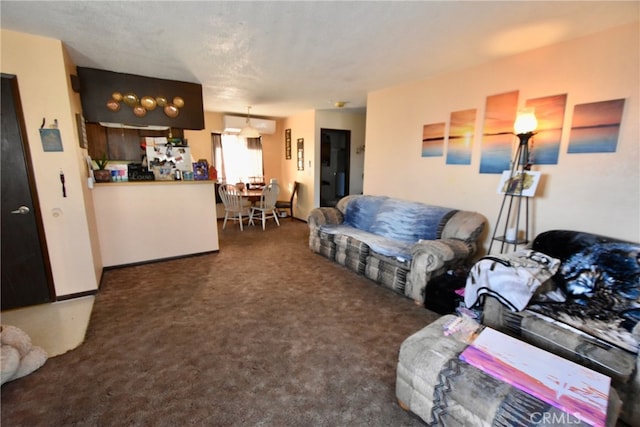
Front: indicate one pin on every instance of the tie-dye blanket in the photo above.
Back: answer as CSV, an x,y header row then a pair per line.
x,y
397,219
390,226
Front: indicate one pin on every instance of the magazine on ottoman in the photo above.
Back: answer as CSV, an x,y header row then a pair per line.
x,y
566,385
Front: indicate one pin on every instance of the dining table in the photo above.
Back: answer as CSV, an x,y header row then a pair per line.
x,y
252,196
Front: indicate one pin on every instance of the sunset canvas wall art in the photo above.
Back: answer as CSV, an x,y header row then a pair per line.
x,y
460,140
433,140
545,145
595,127
497,137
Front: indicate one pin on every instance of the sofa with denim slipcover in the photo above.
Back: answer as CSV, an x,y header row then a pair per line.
x,y
397,243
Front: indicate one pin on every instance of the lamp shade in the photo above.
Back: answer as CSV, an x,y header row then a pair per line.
x,y
525,121
249,132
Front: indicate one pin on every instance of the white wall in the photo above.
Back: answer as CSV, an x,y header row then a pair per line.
x,y
42,71
597,192
307,125
302,126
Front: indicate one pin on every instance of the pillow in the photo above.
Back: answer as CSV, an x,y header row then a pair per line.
x,y
511,278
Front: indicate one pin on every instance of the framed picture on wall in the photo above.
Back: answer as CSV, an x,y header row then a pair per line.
x,y
287,144
300,154
82,131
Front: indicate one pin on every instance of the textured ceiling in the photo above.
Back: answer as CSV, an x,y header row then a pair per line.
x,y
285,57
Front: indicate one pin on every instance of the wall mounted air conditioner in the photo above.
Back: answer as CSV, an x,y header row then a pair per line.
x,y
234,124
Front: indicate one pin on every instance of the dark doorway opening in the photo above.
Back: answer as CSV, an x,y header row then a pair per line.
x,y
334,165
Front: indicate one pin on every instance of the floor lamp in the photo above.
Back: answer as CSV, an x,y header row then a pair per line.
x,y
524,128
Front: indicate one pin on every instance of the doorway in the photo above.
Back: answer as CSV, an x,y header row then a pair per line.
x,y
335,149
26,272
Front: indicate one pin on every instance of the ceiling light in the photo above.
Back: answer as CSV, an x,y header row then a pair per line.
x,y
249,131
340,104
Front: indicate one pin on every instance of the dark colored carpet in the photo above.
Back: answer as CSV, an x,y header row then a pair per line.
x,y
263,333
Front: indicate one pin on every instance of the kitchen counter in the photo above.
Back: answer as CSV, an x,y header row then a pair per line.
x,y
153,182
142,221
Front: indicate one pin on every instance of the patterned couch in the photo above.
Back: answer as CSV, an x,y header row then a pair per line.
x,y
399,244
588,311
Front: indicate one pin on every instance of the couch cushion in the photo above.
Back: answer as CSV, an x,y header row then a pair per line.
x,y
361,211
561,339
351,252
610,331
390,226
410,221
387,271
387,247
322,243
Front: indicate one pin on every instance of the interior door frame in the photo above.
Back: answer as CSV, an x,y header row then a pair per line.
x,y
35,200
346,133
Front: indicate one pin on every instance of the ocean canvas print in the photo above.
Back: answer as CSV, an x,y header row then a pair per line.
x,y
595,127
461,133
545,144
497,136
433,140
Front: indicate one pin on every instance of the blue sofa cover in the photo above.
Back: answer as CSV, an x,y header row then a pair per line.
x,y
398,243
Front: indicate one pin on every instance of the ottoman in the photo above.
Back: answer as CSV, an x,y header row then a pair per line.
x,y
434,384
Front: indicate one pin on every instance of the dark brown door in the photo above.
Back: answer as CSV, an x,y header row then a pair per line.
x,y
335,161
26,273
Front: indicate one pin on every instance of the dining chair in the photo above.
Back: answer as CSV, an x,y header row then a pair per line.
x,y
267,204
288,204
234,206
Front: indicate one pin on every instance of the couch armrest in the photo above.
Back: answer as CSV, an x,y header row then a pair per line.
x,y
464,225
435,254
319,241
432,258
322,216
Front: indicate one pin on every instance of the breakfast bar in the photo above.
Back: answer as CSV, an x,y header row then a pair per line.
x,y
153,220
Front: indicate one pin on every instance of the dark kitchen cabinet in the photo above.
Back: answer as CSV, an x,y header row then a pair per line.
x,y
120,143
124,144
97,140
